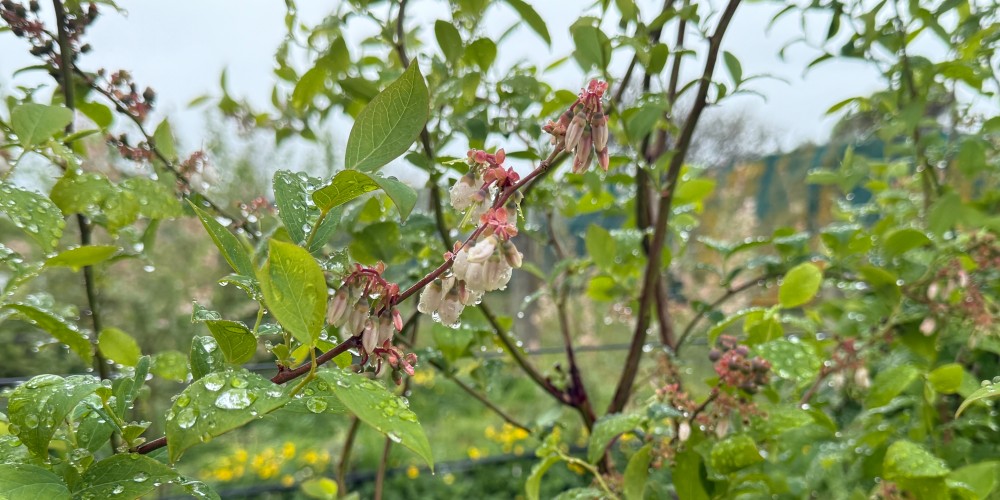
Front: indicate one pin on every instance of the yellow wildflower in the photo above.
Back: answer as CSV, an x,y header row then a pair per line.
x,y
412,472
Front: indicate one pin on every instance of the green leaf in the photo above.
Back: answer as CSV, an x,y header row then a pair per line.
x,y
350,184
235,340
403,196
689,476
126,389
321,488
449,39
231,248
733,66
657,58
291,195
39,406
63,331
601,246
531,17
980,478
908,460
791,360
163,139
155,200
217,403
344,187
317,398
309,85
890,383
946,379
170,365
34,214
903,240
482,52
126,475
99,113
800,285
294,290
387,126
606,429
205,356
371,402
592,47
637,472
35,123
534,482
988,391
81,192
118,346
26,481
735,453
77,258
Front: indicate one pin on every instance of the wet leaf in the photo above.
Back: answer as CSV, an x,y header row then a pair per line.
x,y
389,124
39,406
217,403
294,290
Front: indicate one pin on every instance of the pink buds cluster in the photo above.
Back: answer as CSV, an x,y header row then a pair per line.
x,y
123,89
735,368
484,267
584,131
26,22
486,177
364,305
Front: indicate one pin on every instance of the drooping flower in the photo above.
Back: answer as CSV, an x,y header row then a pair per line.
x,y
369,337
430,298
463,193
336,313
483,249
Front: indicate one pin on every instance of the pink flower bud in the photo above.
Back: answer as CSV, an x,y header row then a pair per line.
x,y
599,126
574,132
369,338
336,312
603,159
582,158
397,319
500,156
927,326
564,121
683,431
861,378
356,321
385,329
513,256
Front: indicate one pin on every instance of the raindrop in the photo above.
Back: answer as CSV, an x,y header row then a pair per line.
x,y
234,399
316,405
186,418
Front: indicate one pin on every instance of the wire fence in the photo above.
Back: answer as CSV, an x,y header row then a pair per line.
x,y
541,351
355,478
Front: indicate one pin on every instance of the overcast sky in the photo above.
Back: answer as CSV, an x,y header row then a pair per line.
x,y
180,47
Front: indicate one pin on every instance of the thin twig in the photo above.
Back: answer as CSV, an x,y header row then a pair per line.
x,y
345,455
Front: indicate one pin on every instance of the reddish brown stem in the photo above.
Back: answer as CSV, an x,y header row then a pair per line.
x,y
631,366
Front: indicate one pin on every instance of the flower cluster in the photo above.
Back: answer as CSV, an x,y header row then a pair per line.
x,y
584,131
735,368
121,87
486,177
365,306
25,22
484,267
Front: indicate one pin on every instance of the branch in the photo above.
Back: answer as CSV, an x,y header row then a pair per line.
x,y
167,163
345,454
631,367
522,361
